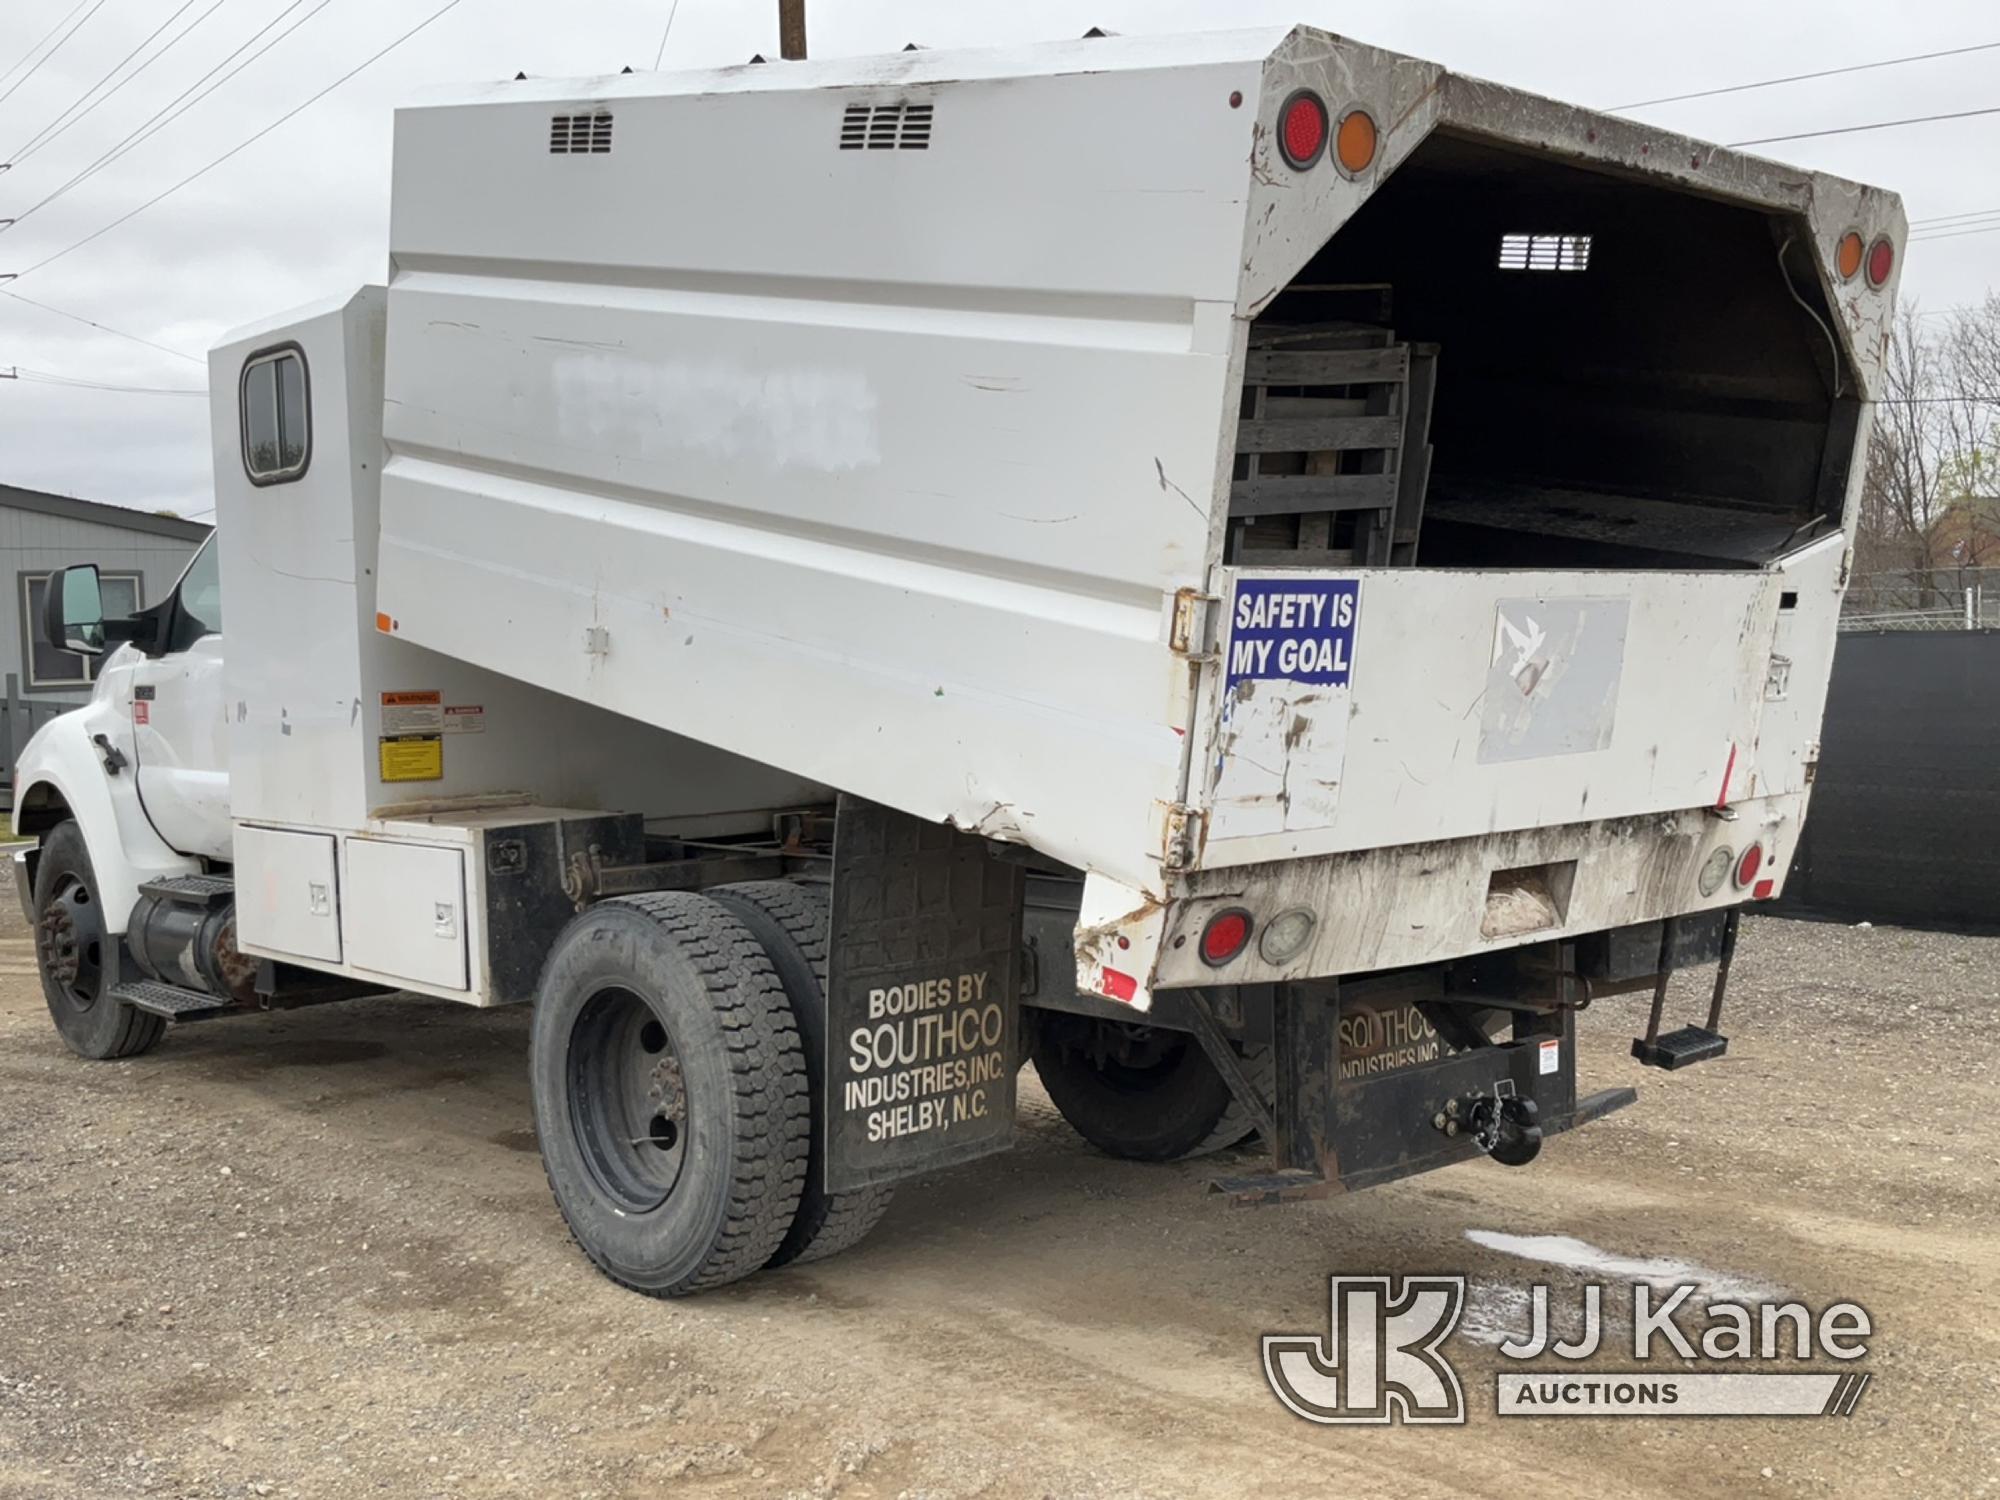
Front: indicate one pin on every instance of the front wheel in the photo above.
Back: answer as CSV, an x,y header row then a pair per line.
x,y
670,1093
74,952
1142,1093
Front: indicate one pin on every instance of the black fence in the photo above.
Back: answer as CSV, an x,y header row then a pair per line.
x,y
1905,819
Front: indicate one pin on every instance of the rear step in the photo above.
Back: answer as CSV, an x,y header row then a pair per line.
x,y
1680,1049
1690,1044
170,1000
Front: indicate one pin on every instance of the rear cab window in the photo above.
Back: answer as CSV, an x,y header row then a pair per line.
x,y
277,417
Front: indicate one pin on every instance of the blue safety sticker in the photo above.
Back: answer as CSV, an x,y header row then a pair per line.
x,y
1293,632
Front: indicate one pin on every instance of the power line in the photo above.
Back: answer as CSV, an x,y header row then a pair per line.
x,y
71,382
94,9
174,108
672,11
47,136
1808,135
289,114
1952,234
1768,83
27,148
102,327
45,36
1977,213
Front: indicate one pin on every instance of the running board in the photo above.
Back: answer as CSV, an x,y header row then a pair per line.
x,y
170,1001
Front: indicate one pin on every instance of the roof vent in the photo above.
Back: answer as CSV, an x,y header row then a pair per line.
x,y
580,135
886,127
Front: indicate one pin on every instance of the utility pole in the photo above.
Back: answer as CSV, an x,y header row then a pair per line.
x,y
791,29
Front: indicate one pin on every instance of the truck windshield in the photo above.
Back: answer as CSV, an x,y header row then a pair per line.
x,y
201,594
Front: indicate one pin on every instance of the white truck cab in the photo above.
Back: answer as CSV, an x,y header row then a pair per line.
x,y
1258,572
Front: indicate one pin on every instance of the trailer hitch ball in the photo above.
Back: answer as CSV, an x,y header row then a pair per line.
x,y
1506,1128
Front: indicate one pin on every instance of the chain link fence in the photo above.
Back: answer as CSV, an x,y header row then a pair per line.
x,y
1923,599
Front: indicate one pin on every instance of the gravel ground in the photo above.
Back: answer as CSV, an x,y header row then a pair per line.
x,y
313,1255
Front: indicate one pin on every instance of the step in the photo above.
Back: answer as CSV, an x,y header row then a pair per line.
x,y
1681,1049
169,1000
191,890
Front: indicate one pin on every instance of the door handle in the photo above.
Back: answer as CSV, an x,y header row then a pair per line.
x,y
114,758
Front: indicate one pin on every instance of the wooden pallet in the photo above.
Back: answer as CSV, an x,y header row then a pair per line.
x,y
1333,448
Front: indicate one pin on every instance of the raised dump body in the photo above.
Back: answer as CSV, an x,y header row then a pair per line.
x,y
1256,470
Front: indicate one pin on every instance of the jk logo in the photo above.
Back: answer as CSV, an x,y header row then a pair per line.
x,y
1380,1361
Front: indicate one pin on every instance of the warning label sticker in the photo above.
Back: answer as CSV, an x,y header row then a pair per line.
x,y
412,757
465,718
412,713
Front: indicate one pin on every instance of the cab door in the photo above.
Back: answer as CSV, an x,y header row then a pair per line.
x,y
179,722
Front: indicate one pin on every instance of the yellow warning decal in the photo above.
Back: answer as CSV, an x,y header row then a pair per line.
x,y
412,757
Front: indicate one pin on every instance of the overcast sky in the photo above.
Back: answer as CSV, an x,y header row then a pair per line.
x,y
304,212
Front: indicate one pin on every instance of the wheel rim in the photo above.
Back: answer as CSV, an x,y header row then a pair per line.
x,y
628,1099
1138,1059
69,941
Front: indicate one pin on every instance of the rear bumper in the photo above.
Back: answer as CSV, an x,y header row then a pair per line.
x,y
1381,909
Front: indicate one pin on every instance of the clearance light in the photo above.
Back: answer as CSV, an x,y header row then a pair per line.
x,y
1847,257
1225,937
1715,870
1286,936
1354,143
1881,261
1302,129
1748,866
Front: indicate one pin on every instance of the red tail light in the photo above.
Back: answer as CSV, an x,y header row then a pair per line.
x,y
1226,935
1881,261
1748,866
1302,129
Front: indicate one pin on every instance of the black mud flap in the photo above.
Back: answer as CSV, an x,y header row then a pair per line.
x,y
1370,1093
923,998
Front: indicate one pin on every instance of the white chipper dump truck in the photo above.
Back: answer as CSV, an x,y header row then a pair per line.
x,y
1255,572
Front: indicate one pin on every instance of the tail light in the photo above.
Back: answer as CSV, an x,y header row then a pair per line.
x,y
1748,866
1286,935
1302,129
1881,261
1847,256
1354,143
1715,870
1226,935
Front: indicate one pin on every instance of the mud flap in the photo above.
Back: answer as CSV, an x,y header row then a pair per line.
x,y
923,997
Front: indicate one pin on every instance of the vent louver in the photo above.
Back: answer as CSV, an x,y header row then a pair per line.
x,y
886,127
580,135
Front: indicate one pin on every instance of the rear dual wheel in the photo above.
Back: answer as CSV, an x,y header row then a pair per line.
x,y
675,1051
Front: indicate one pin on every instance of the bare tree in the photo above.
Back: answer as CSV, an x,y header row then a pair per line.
x,y
1930,507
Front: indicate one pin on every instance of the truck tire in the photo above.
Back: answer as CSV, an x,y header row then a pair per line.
x,y
72,953
1142,1093
670,1093
790,920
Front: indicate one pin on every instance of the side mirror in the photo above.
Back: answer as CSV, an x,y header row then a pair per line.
x,y
73,613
